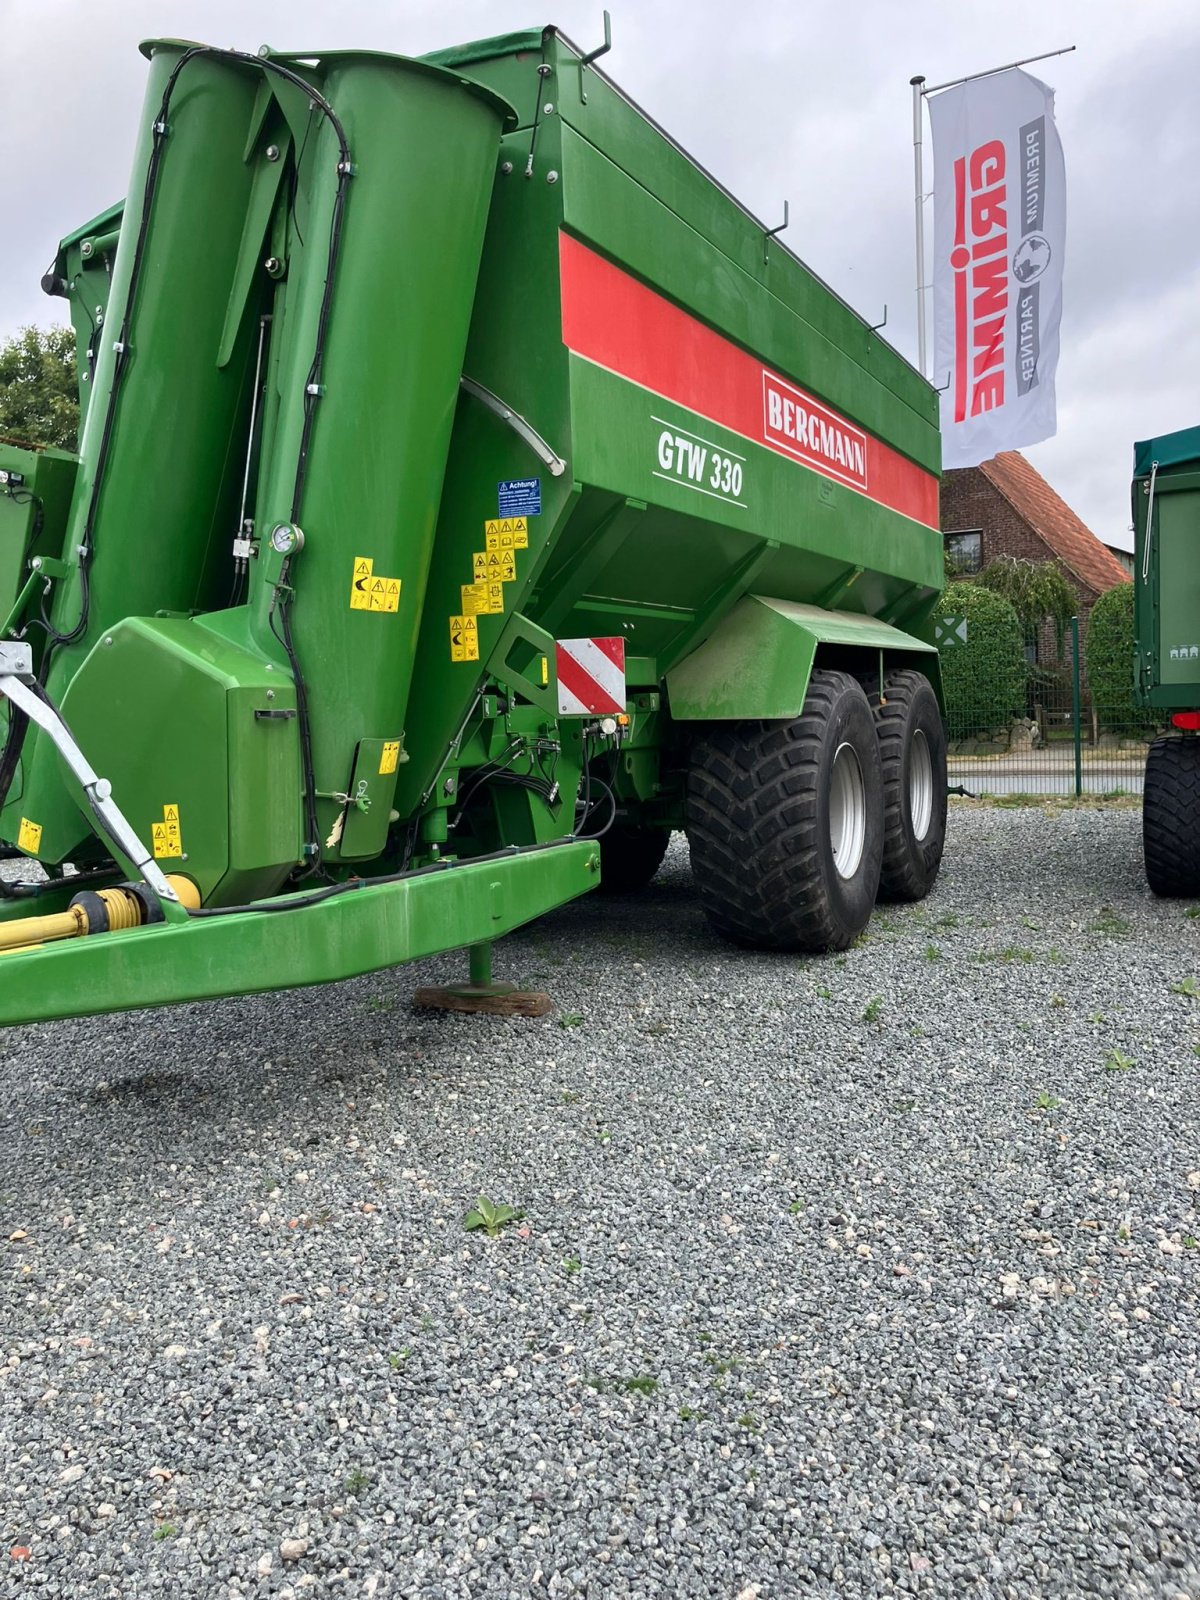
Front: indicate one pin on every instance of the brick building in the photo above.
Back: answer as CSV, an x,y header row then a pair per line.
x,y
1004,507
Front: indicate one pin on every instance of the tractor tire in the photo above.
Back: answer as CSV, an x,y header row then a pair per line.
x,y
771,807
912,754
630,857
1171,818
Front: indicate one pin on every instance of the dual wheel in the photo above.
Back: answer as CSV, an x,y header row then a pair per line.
x,y
796,828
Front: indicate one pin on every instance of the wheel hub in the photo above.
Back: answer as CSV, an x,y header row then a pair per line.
x,y
847,811
920,785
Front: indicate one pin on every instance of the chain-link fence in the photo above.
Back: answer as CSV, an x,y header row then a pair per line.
x,y
1028,717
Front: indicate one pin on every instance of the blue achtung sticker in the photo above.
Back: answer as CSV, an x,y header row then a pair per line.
x,y
520,497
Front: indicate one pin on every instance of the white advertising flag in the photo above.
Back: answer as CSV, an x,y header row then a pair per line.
x,y
999,230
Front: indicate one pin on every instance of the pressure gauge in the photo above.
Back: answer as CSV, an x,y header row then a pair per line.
x,y
286,539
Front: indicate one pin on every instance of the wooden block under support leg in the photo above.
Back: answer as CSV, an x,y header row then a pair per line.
x,y
483,995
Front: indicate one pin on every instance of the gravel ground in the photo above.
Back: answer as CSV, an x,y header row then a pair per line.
x,y
857,1276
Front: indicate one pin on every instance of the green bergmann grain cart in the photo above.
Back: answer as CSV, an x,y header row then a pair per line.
x,y
470,493
1166,520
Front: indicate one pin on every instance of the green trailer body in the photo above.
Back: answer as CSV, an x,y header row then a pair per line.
x,y
398,374
1166,521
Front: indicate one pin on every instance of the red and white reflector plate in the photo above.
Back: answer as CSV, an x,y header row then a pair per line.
x,y
591,677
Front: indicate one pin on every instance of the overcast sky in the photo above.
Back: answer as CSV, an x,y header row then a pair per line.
x,y
807,102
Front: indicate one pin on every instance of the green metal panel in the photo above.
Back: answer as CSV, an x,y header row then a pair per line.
x,y
82,275
33,513
176,716
835,356
424,146
1179,449
368,807
1178,573
515,350
757,662
361,930
1167,599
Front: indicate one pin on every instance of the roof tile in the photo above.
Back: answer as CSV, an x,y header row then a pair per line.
x,y
1076,546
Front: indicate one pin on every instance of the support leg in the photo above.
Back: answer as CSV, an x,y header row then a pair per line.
x,y
481,993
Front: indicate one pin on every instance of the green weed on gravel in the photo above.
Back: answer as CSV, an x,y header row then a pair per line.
x,y
1117,1061
490,1216
1109,923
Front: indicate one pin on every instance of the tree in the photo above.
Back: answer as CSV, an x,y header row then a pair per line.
x,y
1037,592
984,679
39,397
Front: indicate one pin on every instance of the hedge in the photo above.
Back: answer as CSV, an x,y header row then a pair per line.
x,y
984,679
1108,658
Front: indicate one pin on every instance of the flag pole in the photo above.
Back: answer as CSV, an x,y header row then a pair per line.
x,y
919,93
919,202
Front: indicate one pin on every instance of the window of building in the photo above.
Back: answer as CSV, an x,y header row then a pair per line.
x,y
965,550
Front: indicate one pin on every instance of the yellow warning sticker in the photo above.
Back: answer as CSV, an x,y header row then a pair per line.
x,y
479,560
474,598
364,566
545,672
165,839
29,836
495,597
508,567
370,592
389,760
507,525
520,535
464,639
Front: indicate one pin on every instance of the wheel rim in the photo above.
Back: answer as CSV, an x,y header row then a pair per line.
x,y
920,785
847,811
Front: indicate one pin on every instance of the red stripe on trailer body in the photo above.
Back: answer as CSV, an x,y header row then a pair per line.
x,y
614,320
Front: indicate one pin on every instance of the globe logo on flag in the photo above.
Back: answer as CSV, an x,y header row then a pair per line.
x,y
1031,259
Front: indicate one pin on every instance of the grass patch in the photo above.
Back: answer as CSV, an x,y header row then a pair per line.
x,y
636,1383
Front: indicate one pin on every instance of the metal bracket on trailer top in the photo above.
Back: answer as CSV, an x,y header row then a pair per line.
x,y
16,682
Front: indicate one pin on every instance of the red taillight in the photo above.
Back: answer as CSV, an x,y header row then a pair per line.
x,y
1189,721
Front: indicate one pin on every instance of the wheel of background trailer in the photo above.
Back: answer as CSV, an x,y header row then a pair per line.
x,y
630,857
785,822
1171,818
912,755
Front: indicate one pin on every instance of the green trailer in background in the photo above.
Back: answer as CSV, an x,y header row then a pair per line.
x,y
1166,520
470,493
